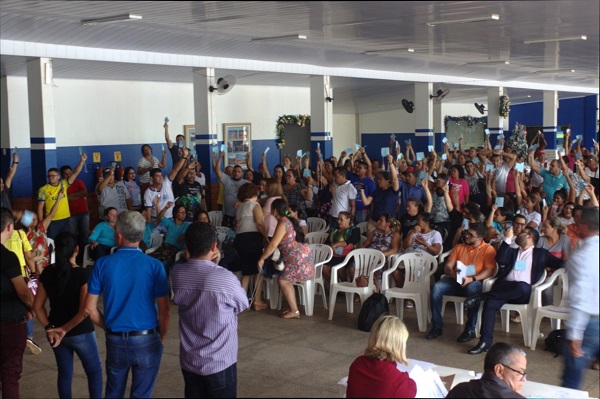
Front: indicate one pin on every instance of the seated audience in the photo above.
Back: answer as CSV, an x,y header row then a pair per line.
x,y
102,238
342,240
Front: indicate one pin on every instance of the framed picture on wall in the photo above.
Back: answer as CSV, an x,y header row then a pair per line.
x,y
237,138
189,131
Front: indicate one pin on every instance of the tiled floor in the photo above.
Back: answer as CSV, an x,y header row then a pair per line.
x,y
302,358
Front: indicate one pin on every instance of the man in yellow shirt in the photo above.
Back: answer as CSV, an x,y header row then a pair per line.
x,y
48,194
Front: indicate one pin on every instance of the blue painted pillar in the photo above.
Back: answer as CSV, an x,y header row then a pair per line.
x,y
321,118
550,117
423,117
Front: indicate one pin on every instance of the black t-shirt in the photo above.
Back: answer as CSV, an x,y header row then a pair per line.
x,y
12,308
407,222
64,307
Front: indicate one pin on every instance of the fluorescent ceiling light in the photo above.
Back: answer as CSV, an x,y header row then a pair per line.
x,y
114,18
558,39
277,38
391,50
491,62
493,17
559,70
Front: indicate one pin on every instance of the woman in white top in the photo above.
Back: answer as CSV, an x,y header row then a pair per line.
x,y
529,204
250,232
146,163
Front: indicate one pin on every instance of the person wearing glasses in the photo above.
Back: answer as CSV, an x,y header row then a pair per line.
x,y
474,252
519,269
48,194
504,373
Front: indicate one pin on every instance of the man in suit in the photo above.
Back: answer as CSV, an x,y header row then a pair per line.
x,y
518,269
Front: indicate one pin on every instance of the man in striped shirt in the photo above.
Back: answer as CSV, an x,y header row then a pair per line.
x,y
210,298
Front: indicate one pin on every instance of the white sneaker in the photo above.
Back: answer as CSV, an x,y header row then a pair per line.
x,y
33,347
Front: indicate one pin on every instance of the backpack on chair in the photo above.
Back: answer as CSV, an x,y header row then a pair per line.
x,y
374,307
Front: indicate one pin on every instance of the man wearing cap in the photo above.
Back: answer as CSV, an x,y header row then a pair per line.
x,y
112,193
48,194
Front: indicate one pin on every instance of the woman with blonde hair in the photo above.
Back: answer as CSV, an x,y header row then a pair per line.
x,y
375,374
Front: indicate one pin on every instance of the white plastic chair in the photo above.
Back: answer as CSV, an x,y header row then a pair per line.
x,y
555,312
156,240
87,258
366,262
419,268
361,241
316,224
322,254
526,311
363,227
215,217
317,237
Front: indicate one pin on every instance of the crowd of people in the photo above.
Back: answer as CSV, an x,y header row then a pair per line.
x,y
502,212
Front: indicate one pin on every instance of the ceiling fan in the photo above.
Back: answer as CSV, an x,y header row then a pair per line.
x,y
480,108
409,106
439,95
224,85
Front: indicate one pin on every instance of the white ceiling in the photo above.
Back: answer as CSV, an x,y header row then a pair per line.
x,y
338,33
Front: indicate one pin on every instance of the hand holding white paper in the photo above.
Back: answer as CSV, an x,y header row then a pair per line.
x,y
166,119
222,147
487,132
266,150
27,218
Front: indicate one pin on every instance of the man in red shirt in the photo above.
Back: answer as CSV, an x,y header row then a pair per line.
x,y
80,215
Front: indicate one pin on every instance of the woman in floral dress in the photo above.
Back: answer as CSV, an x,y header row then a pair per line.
x,y
296,256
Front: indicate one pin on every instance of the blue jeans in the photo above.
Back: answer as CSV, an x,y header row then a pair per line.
x,y
218,385
87,350
29,325
360,217
58,226
141,354
449,286
575,366
80,226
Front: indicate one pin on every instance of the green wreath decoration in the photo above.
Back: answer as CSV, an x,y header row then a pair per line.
x,y
504,106
300,120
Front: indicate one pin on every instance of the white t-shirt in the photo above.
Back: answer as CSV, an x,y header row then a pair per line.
x,y
501,178
431,238
534,216
590,173
245,218
341,200
166,195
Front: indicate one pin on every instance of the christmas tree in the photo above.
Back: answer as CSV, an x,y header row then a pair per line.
x,y
518,140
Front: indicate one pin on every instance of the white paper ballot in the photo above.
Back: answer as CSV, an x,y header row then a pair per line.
x,y
385,151
399,156
356,147
299,153
487,132
444,157
348,150
318,145
500,202
430,148
407,141
393,136
456,145
461,272
475,160
166,119
429,384
579,137
444,140
266,150
162,147
520,167
420,156
489,167
214,149
222,147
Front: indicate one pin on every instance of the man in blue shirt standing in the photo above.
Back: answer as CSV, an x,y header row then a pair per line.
x,y
210,298
410,189
132,284
583,334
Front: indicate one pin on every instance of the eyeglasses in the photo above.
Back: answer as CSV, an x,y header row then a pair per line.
x,y
522,373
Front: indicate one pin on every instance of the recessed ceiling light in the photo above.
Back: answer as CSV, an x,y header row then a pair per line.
x,y
491,62
278,38
114,18
558,39
558,70
392,50
493,17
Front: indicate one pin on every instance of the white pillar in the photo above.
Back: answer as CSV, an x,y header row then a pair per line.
x,y
550,118
321,116
423,116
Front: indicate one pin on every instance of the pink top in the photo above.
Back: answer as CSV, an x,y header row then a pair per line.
x,y
270,221
462,187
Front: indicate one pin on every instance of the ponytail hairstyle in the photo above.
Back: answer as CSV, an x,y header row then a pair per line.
x,y
65,245
394,225
282,209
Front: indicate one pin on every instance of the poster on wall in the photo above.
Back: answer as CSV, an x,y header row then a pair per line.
x,y
237,138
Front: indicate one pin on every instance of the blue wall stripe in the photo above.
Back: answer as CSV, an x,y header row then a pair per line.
x,y
423,130
42,140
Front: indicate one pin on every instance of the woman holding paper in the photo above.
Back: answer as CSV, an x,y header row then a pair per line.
x,y
375,374
296,193
146,163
